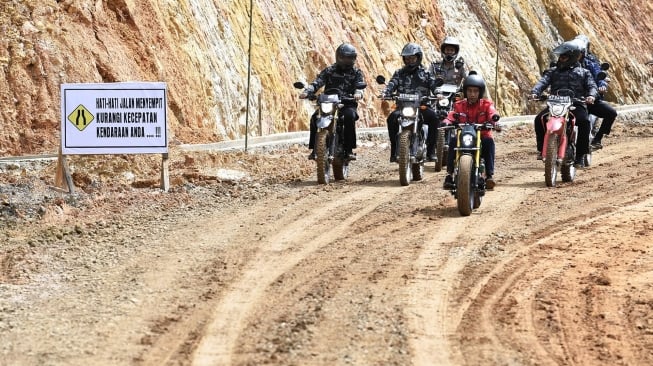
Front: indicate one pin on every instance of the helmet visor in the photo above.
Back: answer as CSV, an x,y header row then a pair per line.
x,y
346,60
410,60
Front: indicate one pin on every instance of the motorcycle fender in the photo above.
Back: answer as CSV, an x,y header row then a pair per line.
x,y
405,122
554,124
324,121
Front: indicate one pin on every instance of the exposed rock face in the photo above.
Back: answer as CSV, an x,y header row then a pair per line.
x,y
200,49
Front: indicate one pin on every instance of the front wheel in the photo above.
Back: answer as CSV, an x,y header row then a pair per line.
x,y
551,161
322,157
405,168
440,150
465,189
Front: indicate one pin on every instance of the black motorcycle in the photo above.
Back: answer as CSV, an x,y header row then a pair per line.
x,y
411,138
329,139
446,95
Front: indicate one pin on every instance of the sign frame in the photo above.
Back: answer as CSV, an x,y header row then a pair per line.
x,y
114,118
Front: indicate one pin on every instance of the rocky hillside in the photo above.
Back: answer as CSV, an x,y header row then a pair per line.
x,y
200,48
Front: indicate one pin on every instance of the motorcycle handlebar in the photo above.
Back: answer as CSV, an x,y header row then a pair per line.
x,y
545,97
395,96
483,126
343,98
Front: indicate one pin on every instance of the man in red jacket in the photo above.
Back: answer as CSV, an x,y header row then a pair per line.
x,y
473,108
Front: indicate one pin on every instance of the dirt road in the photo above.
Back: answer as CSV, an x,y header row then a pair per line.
x,y
274,269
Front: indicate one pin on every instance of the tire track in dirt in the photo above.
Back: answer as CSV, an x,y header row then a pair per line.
x,y
343,303
530,296
288,247
236,237
231,240
529,304
440,266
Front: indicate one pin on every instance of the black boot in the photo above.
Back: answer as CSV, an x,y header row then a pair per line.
x,y
596,143
393,153
448,182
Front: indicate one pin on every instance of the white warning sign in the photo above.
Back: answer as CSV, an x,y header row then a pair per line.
x,y
114,118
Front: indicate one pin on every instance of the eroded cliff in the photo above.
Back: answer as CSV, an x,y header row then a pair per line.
x,y
200,48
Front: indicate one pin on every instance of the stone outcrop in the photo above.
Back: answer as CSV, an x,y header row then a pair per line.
x,y
201,49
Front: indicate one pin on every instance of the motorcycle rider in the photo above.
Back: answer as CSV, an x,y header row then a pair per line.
x,y
476,109
567,74
599,108
452,67
342,75
413,78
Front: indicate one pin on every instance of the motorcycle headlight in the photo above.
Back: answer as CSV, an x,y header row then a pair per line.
x,y
556,109
467,140
326,108
408,112
443,102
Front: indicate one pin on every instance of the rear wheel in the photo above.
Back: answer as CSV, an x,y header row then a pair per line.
x,y
418,171
322,157
405,169
550,161
340,163
568,172
440,150
340,168
464,185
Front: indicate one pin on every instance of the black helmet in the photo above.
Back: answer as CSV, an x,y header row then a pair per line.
x,y
570,49
412,49
474,80
345,56
449,41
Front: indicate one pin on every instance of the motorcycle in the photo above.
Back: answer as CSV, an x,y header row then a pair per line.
x,y
411,138
331,158
446,95
469,167
559,149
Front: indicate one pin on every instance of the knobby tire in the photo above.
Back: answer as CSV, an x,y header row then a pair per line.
x,y
464,185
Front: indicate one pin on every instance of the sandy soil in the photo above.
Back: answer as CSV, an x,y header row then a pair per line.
x,y
260,265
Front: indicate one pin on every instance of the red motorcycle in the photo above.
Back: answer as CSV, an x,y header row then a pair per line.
x,y
559,149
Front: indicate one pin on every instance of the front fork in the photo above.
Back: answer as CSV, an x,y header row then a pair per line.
x,y
417,139
331,137
479,164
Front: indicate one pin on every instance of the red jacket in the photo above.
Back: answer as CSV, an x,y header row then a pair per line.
x,y
480,112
